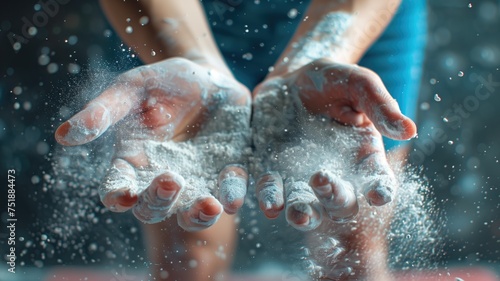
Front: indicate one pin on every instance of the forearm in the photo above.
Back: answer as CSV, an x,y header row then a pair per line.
x,y
158,29
340,30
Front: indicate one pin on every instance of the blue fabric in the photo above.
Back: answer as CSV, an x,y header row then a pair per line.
x,y
252,34
231,19
398,55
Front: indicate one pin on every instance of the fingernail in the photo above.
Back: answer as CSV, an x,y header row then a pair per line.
x,y
336,218
379,196
310,216
127,199
119,200
324,190
300,214
400,127
206,218
76,131
61,133
165,194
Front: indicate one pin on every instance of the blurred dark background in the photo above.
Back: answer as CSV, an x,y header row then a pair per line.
x,y
458,144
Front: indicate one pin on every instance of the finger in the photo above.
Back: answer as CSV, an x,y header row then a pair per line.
x,y
232,188
154,202
117,189
372,98
376,178
202,214
270,195
336,195
98,115
303,210
355,96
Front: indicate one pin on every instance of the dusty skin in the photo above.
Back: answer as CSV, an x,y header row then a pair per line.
x,y
168,116
318,146
320,111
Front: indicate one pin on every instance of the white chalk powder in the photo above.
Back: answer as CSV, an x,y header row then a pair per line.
x,y
286,137
321,41
291,141
224,139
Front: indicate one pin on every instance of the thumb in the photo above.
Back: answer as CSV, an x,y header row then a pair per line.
x,y
99,114
359,102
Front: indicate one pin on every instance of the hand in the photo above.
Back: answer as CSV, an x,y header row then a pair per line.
x,y
178,124
320,128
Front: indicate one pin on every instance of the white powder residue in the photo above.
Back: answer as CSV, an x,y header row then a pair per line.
x,y
80,133
300,196
232,188
223,140
321,41
295,143
289,139
408,225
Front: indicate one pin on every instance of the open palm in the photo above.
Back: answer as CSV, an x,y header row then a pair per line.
x,y
324,139
170,118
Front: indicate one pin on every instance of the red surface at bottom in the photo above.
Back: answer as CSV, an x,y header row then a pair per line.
x,y
456,274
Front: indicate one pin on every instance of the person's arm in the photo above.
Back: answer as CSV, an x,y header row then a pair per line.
x,y
158,29
340,31
319,67
175,96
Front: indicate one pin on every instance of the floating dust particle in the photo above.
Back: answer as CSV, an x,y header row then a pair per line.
x,y
290,140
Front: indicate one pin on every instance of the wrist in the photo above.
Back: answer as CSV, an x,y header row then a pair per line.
x,y
205,59
288,65
324,39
